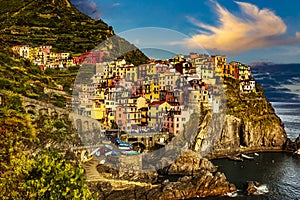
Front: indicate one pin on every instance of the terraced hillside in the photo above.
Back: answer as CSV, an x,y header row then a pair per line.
x,y
52,22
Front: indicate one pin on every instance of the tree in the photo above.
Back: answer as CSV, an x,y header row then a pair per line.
x,y
53,177
16,135
48,175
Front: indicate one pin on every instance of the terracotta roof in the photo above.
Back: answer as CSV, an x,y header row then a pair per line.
x,y
154,103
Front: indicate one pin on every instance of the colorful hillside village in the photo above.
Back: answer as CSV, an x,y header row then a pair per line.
x,y
155,97
158,96
44,57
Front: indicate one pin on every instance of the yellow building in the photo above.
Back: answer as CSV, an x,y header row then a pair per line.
x,y
164,106
220,62
151,69
99,94
141,102
98,111
154,89
130,72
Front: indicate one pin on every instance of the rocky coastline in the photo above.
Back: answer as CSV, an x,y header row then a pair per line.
x,y
190,176
249,127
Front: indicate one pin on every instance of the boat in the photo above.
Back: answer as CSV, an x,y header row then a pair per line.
x,y
106,141
247,157
108,147
102,162
235,158
129,152
85,157
124,146
111,153
262,189
95,152
256,154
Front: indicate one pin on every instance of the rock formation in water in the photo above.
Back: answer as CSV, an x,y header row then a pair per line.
x,y
293,146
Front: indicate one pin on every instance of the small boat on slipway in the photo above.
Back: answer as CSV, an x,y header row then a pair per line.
x,y
129,152
247,157
235,158
124,146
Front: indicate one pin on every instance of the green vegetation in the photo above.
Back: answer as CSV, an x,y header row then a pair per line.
x,y
34,163
46,175
20,76
253,106
60,24
51,176
57,23
48,22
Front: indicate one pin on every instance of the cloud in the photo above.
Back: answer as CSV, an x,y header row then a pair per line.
x,y
116,4
258,28
88,7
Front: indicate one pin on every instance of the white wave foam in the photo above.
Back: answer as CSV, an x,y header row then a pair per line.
x,y
263,189
289,118
232,194
275,103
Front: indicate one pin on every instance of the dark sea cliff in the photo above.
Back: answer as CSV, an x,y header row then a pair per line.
x,y
279,173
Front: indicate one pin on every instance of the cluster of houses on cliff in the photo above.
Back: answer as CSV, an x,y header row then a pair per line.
x,y
160,95
44,57
156,96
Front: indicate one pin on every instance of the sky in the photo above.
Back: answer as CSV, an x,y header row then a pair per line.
x,y
248,31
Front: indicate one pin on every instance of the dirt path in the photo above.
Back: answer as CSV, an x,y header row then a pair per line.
x,y
94,176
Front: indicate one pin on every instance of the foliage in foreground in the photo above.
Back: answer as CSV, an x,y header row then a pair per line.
x,y
24,175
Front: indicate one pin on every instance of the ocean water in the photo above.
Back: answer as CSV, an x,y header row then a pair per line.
x,y
289,113
278,172
282,88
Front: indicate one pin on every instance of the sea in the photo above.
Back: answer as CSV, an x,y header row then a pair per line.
x,y
279,173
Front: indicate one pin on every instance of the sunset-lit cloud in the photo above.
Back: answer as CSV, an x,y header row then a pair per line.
x,y
253,28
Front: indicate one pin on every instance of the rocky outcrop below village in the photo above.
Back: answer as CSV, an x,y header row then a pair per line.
x,y
250,125
189,176
249,135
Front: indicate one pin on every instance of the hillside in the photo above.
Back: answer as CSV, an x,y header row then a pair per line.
x,y
59,24
50,22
